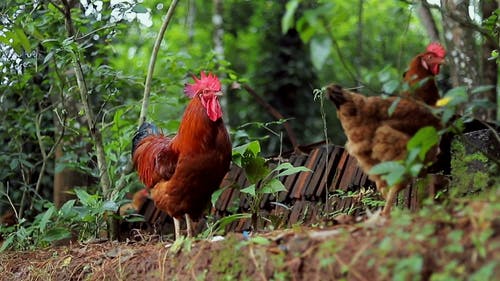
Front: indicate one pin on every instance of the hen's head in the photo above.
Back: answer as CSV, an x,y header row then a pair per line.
x,y
433,57
208,89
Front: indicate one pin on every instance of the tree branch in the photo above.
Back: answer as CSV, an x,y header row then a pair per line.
x,y
152,62
147,89
45,156
427,20
276,114
94,130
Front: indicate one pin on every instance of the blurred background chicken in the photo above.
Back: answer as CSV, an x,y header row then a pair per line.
x,y
375,136
138,200
421,73
183,171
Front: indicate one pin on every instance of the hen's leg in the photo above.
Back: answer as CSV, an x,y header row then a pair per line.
x,y
391,196
189,226
177,227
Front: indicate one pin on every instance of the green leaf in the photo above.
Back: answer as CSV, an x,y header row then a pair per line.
x,y
249,190
424,139
395,176
412,155
134,218
140,9
273,186
481,89
320,50
415,169
487,272
85,198
57,233
391,86
255,169
391,171
13,164
22,39
110,206
247,150
457,95
216,195
260,240
287,169
7,242
393,106
384,168
288,19
66,209
46,217
48,57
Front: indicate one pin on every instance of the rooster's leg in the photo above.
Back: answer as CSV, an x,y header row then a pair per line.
x,y
177,227
189,226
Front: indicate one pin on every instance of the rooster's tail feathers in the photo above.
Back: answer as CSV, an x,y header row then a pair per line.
x,y
144,130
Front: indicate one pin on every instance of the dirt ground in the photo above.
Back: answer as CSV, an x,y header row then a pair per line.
x,y
433,244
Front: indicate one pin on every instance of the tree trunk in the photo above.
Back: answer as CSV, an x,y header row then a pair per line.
x,y
425,16
467,61
359,51
218,39
66,180
464,69
489,67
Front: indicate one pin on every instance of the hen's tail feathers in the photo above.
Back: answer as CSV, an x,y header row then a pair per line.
x,y
336,95
144,130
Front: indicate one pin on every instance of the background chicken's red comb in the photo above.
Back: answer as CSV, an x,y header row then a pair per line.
x,y
437,49
208,82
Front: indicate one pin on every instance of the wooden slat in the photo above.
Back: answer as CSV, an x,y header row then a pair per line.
x,y
333,161
348,174
319,170
229,180
290,180
339,171
297,209
304,177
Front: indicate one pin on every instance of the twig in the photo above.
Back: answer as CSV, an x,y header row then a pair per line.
x,y
6,194
321,97
351,270
45,156
94,130
256,264
276,114
463,22
95,31
57,6
152,62
147,90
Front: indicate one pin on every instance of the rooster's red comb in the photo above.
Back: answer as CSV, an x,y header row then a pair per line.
x,y
437,49
206,82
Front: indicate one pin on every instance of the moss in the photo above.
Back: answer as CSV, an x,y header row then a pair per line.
x,y
470,172
280,267
228,263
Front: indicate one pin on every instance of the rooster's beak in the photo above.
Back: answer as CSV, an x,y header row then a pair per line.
x,y
440,60
219,93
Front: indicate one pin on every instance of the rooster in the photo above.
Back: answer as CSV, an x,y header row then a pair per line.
x,y
183,171
421,72
375,136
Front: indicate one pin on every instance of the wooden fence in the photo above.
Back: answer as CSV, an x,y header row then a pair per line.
x,y
305,196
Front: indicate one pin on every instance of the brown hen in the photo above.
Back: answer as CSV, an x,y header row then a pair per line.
x,y
375,136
